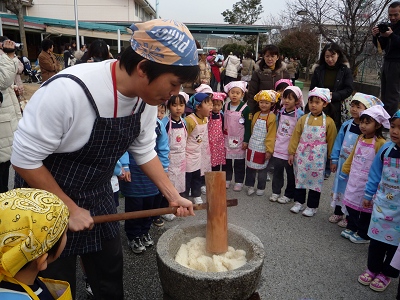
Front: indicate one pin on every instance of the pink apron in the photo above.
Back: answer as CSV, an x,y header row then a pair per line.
x,y
198,149
255,157
234,133
310,157
177,156
364,155
385,218
216,138
283,134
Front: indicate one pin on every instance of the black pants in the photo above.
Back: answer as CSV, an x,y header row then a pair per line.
x,y
251,177
338,210
104,270
193,184
138,227
390,86
277,181
313,197
218,168
213,83
234,166
379,257
358,221
4,171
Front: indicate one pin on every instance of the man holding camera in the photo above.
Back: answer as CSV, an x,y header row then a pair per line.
x,y
10,112
387,36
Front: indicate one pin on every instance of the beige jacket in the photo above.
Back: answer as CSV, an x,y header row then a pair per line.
x,y
10,112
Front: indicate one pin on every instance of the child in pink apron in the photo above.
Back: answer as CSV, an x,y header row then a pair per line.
x,y
215,132
344,144
280,86
356,168
198,158
261,142
236,113
382,194
309,147
287,119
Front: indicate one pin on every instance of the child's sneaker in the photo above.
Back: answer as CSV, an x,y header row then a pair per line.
x,y
250,191
158,222
309,212
284,200
297,207
168,217
342,223
238,187
147,241
347,233
198,200
356,239
203,190
335,218
274,197
228,184
260,192
137,246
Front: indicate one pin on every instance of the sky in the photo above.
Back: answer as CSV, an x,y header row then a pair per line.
x,y
207,11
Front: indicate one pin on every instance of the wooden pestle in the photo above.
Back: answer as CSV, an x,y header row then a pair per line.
x,y
217,222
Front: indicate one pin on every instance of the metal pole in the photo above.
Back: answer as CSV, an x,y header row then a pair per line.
x,y
258,41
1,27
320,45
157,3
119,41
76,24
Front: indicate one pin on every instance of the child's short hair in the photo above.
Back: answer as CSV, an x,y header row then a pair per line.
x,y
288,92
32,223
368,118
162,105
178,99
281,86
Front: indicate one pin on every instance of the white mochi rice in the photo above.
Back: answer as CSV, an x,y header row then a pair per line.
x,y
193,255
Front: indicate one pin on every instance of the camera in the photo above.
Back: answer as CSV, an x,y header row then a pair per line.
x,y
18,46
383,27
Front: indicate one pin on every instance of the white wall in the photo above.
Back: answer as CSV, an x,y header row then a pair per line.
x,y
88,10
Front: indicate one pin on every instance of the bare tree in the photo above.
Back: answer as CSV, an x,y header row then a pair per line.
x,y
15,6
346,22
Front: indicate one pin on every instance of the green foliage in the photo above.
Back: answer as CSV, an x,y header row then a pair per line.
x,y
244,12
228,48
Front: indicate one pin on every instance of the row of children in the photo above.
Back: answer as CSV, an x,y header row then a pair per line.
x,y
300,145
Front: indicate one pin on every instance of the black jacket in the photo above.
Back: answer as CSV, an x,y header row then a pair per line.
x,y
391,44
342,89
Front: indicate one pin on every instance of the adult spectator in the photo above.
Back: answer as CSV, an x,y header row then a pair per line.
x,y
232,67
18,85
10,112
292,69
334,74
259,58
47,61
215,73
271,69
79,53
68,56
81,121
248,65
204,75
389,41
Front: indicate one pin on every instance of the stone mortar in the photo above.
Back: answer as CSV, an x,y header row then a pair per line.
x,y
181,283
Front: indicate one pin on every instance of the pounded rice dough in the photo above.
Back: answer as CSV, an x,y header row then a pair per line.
x,y
193,255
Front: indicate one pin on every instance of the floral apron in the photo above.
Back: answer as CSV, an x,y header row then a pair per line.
x,y
255,157
197,143
283,134
216,138
364,155
234,133
310,157
339,185
177,156
385,219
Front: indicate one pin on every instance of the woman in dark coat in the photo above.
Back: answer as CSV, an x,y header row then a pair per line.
x,y
334,74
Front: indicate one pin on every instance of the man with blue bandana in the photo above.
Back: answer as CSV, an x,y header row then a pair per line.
x,y
81,121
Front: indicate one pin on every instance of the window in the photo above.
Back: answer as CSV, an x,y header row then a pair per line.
x,y
137,8
3,7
